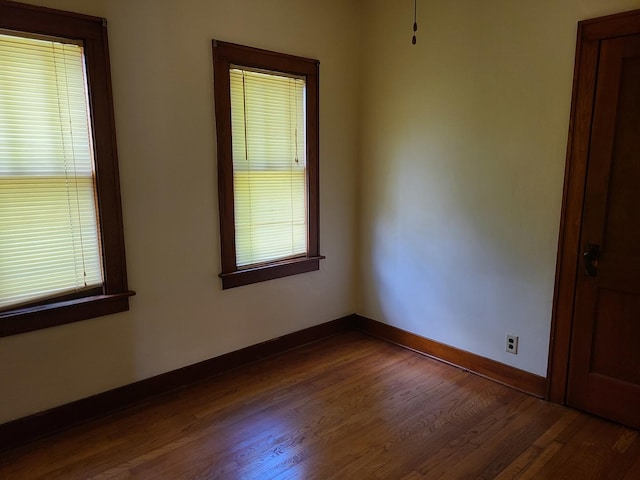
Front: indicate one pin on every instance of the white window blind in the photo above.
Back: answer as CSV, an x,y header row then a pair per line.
x,y
269,165
49,238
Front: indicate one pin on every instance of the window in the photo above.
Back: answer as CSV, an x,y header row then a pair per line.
x,y
61,239
266,107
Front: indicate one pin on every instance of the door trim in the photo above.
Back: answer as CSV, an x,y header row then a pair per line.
x,y
590,34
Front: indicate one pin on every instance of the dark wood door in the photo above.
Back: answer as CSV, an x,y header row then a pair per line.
x,y
604,365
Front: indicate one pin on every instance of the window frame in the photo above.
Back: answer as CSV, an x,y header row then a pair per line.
x,y
114,294
224,55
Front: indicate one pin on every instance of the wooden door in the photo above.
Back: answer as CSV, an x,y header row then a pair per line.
x,y
604,362
594,362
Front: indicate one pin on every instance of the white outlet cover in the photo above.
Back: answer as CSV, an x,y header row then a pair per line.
x,y
511,344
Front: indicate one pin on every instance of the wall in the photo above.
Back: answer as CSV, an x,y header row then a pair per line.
x,y
463,150
162,82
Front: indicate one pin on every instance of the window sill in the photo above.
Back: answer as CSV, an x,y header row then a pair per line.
x,y
29,319
270,271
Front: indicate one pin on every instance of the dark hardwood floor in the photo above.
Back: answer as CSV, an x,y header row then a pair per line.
x,y
347,407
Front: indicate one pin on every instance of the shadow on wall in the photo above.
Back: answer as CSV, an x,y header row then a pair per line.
x,y
455,245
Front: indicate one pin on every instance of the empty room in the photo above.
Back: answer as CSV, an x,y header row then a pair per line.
x,y
347,239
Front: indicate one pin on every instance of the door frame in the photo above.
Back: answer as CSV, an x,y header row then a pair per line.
x,y
590,34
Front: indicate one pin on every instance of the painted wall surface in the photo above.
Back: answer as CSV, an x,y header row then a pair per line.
x,y
163,94
463,151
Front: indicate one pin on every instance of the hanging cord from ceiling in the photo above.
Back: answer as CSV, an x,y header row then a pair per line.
x,y
415,21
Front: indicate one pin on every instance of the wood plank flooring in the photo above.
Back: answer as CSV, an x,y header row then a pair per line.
x,y
347,407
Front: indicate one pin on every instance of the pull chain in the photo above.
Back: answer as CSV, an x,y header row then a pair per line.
x,y
415,21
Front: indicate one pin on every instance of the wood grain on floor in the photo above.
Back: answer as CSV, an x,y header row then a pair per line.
x,y
347,407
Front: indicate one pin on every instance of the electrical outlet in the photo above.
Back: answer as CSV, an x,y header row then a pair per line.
x,y
511,344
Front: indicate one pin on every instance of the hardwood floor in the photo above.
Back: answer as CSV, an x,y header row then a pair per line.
x,y
348,407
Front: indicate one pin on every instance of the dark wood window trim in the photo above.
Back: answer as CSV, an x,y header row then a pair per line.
x,y
92,32
224,55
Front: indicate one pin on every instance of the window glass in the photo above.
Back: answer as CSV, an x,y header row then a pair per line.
x,y
49,238
269,160
266,106
62,256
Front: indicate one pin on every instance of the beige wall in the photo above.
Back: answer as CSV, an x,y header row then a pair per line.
x,y
463,151
162,81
